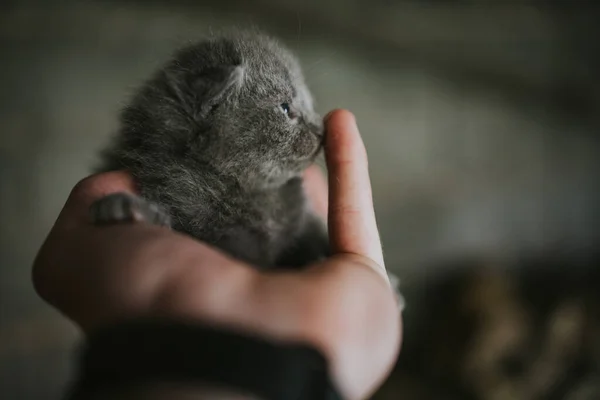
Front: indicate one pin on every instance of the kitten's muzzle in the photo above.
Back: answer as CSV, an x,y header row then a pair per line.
x,y
317,130
313,138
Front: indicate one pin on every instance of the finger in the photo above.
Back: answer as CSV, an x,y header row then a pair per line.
x,y
316,189
352,224
76,210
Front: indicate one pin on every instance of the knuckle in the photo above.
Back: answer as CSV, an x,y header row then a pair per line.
x,y
345,209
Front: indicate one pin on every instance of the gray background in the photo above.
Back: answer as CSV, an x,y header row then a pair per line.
x,y
479,119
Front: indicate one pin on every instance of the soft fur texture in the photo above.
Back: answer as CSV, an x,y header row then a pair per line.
x,y
219,139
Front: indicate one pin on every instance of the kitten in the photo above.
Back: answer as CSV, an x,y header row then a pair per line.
x,y
529,331
217,141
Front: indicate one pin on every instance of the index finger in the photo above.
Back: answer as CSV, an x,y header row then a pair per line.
x,y
352,223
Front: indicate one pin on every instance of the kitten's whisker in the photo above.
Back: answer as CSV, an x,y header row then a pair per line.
x,y
323,74
321,59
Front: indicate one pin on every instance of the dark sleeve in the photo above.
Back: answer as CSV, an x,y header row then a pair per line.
x,y
137,353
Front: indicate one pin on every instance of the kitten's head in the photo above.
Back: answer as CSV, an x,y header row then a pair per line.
x,y
237,102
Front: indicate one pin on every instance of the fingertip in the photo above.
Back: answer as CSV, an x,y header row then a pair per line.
x,y
338,124
343,141
339,113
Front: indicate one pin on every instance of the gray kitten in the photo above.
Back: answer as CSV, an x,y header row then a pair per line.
x,y
217,141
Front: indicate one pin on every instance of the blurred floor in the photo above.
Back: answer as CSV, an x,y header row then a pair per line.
x,y
480,131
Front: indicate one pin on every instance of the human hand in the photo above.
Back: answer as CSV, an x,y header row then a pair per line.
x,y
343,306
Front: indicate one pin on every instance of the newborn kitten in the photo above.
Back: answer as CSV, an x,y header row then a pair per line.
x,y
217,141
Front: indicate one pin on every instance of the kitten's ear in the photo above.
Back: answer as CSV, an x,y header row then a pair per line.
x,y
214,85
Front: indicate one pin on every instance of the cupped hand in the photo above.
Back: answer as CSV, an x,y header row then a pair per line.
x,y
344,305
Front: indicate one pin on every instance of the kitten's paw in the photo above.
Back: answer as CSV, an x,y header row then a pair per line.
x,y
124,207
395,284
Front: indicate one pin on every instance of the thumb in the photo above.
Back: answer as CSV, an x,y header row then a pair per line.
x,y
352,224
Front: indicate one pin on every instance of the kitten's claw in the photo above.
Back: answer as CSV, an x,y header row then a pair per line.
x,y
124,207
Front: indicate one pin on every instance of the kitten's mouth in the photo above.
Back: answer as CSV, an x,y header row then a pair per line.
x,y
310,146
320,136
320,145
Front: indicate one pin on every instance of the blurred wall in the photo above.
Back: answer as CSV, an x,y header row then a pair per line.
x,y
479,120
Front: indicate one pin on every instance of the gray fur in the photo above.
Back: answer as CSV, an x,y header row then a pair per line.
x,y
208,141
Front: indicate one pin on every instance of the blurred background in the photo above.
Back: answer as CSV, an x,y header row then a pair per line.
x,y
480,119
